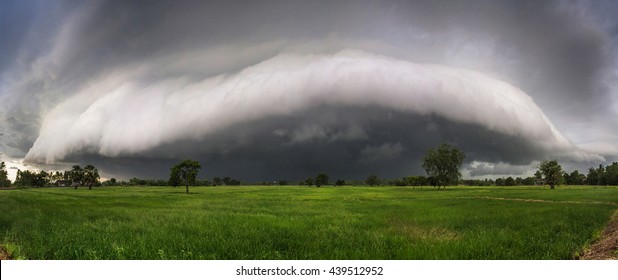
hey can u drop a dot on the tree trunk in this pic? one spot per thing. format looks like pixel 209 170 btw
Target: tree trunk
pixel 75 186
pixel 90 187
pixel 187 188
pixel 551 186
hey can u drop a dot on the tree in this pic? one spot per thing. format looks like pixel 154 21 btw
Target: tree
pixel 186 171
pixel 41 179
pixel 443 164
pixel 509 181
pixel 372 180
pixel 4 178
pixel 91 176
pixel 28 178
pixel 76 176
pixel 309 181
pixel 574 178
pixel 216 181
pixel 593 176
pixel 321 179
pixel 339 183
pixel 551 171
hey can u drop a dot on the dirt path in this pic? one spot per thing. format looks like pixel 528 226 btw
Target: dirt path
pixel 605 248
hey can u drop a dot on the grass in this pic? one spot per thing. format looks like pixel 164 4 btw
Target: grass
pixel 251 222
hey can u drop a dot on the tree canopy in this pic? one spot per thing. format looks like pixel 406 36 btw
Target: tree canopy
pixel 90 176
pixel 4 179
pixel 372 180
pixel 551 171
pixel 185 173
pixel 321 179
pixel 443 165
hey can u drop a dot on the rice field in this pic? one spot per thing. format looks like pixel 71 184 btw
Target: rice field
pixel 299 222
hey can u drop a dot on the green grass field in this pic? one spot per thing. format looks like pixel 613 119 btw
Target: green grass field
pixel 250 222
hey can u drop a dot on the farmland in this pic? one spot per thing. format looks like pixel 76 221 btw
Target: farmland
pixel 288 222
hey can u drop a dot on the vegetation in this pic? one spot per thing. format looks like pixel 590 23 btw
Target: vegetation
pixel 321 179
pixel 185 172
pixel 91 176
pixel 443 165
pixel 4 179
pixel 372 180
pixel 551 171
pixel 303 223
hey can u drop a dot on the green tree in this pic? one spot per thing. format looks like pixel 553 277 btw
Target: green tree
pixel 76 176
pixel 443 164
pixel 339 183
pixel 509 181
pixel 372 180
pixel 309 181
pixel 593 176
pixel 551 171
pixel 28 178
pixel 91 176
pixel 186 171
pixel 41 179
pixel 321 179
pixel 4 178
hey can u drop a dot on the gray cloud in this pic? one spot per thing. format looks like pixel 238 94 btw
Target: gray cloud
pixel 477 168
pixel 509 82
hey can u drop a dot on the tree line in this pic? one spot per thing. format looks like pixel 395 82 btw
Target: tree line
pixel 77 176
pixel 442 165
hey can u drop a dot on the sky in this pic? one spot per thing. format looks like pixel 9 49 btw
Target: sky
pixel 269 90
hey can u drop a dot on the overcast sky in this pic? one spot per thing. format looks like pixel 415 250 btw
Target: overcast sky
pixel 265 90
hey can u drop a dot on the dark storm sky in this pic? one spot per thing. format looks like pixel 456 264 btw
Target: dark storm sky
pixel 262 90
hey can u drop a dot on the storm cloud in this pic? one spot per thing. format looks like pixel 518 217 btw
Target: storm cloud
pixel 284 89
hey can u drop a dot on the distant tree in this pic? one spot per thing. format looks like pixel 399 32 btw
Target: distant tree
pixel 4 178
pixel 41 179
pixel 217 181
pixel 601 175
pixel 509 181
pixel 415 181
pixel 321 179
pixel 112 181
pixel 528 181
pixel 519 181
pixel 309 181
pixel 56 178
pixel 227 181
pixel 593 177
pixel 610 176
pixel 339 183
pixel 76 176
pixel 28 178
pixel 551 171
pixel 443 164
pixel 282 183
pixel 91 176
pixel 500 182
pixel 186 172
pixel 574 178
pixel 372 180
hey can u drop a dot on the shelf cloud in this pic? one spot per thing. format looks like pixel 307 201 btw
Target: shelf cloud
pixel 285 89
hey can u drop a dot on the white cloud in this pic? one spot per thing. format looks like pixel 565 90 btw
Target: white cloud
pixel 127 113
